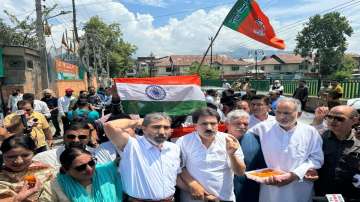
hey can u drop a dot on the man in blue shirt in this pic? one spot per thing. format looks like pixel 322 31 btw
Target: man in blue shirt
pixel 83 112
pixel 237 123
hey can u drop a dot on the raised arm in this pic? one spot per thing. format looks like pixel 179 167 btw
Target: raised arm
pixel 118 131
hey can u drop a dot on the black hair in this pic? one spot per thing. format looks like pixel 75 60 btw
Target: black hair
pixel 29 96
pixel 68 155
pixel 227 93
pixel 18 140
pixel 115 106
pixel 22 103
pixel 211 92
pixel 82 102
pixel 263 98
pixel 205 112
pixel 78 125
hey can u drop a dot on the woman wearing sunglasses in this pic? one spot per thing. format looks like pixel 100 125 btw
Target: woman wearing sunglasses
pixel 82 180
pixel 21 178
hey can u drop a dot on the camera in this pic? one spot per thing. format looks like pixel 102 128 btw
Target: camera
pixel 28 124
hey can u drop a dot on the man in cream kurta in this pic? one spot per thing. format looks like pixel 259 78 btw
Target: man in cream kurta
pixel 292 147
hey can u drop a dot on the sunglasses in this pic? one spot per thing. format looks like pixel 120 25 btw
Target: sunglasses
pixel 72 137
pixel 83 167
pixel 335 118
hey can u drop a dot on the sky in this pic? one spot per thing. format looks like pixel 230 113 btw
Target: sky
pixel 165 27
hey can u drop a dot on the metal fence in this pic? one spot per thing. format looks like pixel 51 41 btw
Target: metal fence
pixel 351 87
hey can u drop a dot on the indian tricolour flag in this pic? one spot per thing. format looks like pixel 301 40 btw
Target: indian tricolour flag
pixel 175 95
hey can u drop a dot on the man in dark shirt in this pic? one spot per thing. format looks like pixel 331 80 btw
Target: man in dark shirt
pixel 237 123
pixel 341 155
pixel 52 103
pixel 301 93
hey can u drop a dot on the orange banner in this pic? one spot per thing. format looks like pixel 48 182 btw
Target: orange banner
pixel 64 67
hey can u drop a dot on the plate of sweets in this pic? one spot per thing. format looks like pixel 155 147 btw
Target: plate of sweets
pixel 261 174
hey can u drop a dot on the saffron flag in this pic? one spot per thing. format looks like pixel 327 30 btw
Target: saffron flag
pixel 174 95
pixel 246 17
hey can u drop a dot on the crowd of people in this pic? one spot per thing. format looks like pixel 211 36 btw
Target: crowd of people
pixel 108 155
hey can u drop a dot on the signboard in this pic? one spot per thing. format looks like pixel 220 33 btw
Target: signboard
pixel 1 63
pixel 66 71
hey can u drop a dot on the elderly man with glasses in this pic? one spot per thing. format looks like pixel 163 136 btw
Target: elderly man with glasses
pixel 290 146
pixel 237 123
pixel 78 133
pixel 341 154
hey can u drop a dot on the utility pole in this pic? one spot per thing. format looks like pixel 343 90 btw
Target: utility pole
pixel 100 63
pixel 74 22
pixel 257 52
pixel 41 45
pixel 211 51
pixel 107 68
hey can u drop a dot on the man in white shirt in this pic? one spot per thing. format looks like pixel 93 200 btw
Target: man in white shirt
pixel 149 164
pixel 13 99
pixel 63 106
pixel 259 107
pixel 39 106
pixel 210 158
pixel 78 133
pixel 292 147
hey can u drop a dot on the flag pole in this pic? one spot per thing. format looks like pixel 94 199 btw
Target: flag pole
pixel 211 43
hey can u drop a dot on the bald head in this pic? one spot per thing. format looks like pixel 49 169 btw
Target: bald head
pixel 348 111
pixel 341 119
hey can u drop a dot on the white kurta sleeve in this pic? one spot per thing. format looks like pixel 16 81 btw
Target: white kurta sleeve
pixel 315 157
pixel 60 107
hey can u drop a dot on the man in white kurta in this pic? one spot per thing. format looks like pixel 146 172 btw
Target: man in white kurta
pixel 211 158
pixel 292 147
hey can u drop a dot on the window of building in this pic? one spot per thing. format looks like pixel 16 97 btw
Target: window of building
pixel 303 66
pixel 168 69
pixel 30 64
pixel 16 62
pixel 235 68
pixel 277 67
pixel 262 68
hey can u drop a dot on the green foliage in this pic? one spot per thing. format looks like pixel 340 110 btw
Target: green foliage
pixel 23 32
pixel 346 68
pixel 325 36
pixel 341 75
pixel 348 63
pixel 109 37
pixel 205 71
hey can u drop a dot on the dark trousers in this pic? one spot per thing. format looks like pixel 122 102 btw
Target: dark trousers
pixel 66 123
pixel 55 121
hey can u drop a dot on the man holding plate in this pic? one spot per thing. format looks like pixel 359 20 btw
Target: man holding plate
pixel 293 148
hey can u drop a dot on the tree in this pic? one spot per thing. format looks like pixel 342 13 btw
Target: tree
pixel 109 39
pixel 23 32
pixel 205 71
pixel 348 64
pixel 326 37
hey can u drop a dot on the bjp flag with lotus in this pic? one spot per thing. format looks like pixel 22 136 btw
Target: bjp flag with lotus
pixel 247 18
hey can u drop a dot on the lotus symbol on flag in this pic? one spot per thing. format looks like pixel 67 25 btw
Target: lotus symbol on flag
pixel 260 30
pixel 155 92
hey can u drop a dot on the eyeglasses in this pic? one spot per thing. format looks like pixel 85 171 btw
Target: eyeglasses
pixel 335 118
pixel 83 167
pixel 73 136
pixel 14 157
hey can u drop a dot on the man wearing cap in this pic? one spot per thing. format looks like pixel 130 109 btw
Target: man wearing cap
pixel 277 86
pixel 63 106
